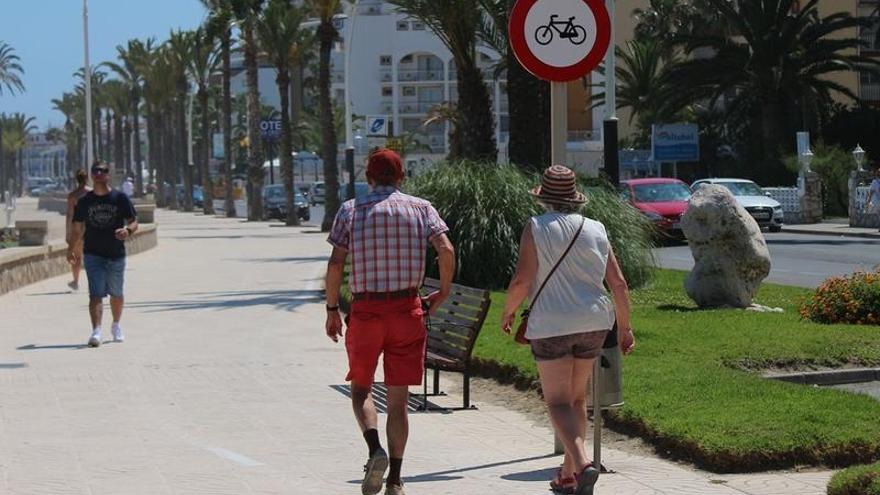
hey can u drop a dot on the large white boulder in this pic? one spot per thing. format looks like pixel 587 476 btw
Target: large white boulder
pixel 730 253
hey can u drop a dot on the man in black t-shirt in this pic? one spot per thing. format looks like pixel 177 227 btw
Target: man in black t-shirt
pixel 104 218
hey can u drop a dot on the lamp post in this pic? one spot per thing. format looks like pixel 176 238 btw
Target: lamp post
pixel 806 160
pixel 90 157
pixel 859 155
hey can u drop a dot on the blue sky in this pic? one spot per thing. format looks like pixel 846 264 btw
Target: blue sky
pixel 47 35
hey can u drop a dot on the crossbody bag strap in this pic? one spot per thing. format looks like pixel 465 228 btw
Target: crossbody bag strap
pixel 561 259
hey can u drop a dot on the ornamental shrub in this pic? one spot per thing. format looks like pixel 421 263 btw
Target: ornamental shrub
pixel 857 480
pixel 486 207
pixel 852 300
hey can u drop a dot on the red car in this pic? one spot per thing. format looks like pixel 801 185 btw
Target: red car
pixel 662 200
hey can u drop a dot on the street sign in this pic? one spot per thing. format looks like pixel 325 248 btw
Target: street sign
pixel 560 40
pixel 377 126
pixel 270 129
pixel 676 143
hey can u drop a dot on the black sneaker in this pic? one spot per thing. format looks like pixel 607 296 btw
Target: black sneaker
pixel 374 472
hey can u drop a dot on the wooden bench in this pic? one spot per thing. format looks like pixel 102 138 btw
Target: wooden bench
pixel 452 333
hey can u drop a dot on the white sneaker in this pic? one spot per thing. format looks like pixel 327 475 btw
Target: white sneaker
pixel 74 286
pixel 117 334
pixel 95 339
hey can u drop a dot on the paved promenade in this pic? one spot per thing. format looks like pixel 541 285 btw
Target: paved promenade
pixel 26 209
pixel 225 386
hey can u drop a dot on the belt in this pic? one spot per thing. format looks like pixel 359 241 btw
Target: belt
pixel 398 294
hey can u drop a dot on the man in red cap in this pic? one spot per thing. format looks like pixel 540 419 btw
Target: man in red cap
pixel 387 234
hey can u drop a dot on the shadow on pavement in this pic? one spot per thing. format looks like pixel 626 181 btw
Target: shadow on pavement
pixel 34 347
pixel 60 293
pixel 288 300
pixel 545 474
pixel 198 237
pixel 822 242
pixel 13 366
pixel 445 475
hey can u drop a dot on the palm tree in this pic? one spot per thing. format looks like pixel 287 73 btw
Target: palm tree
pixel 529 97
pixel 643 85
pixel 180 51
pixel 158 93
pixel 10 78
pixel 98 78
pixel 776 60
pixel 204 61
pixel 116 97
pixel 281 38
pixel 71 106
pixel 220 25
pixel 247 12
pixel 10 70
pixel 456 23
pixel 325 10
pixel 133 58
pixel 17 128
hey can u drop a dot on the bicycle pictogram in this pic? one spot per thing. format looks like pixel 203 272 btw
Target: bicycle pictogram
pixel 567 30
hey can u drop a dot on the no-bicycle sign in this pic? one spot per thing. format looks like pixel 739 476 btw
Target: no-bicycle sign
pixel 559 40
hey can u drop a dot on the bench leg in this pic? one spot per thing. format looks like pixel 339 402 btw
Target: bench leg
pixel 436 381
pixel 467 389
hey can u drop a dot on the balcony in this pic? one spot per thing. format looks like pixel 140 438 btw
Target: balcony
pixel 419 75
pixel 417 107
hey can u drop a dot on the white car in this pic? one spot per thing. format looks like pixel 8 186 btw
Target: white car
pixel 764 209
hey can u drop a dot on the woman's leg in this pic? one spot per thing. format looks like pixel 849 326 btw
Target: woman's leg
pixel 556 383
pixel 581 372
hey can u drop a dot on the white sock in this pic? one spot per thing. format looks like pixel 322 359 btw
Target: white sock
pixel 96 330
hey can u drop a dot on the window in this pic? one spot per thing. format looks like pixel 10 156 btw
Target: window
pixel 409 91
pixel 407 59
pixel 402 26
pixel 387 91
pixel 418 26
pixel 385 60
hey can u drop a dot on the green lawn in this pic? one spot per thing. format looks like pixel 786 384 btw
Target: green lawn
pixel 688 391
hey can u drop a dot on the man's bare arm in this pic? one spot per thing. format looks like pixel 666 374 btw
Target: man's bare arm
pixel 446 258
pixel 335 272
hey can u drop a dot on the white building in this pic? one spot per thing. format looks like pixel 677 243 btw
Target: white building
pixel 44 158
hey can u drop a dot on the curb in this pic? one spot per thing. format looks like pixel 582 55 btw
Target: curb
pixel 863 235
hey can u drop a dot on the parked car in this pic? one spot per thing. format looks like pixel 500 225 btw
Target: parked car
pixel 275 203
pixel 764 209
pixel 360 189
pixel 317 193
pixel 36 184
pixel 662 200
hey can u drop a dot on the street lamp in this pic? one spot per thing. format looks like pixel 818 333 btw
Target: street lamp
pixel 859 155
pixel 90 150
pixel 807 159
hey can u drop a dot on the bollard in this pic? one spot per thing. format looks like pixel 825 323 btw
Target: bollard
pixel 32 232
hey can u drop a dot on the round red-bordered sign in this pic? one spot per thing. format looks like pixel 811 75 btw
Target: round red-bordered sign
pixel 551 38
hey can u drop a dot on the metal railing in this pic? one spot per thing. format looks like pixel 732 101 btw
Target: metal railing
pixel 415 75
pixel 870 92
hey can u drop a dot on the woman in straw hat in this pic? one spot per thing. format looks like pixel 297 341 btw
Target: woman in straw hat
pixel 565 261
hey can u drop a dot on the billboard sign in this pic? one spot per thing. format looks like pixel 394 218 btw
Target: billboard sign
pixel 675 143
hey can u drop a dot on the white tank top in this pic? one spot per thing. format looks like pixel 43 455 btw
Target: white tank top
pixel 575 299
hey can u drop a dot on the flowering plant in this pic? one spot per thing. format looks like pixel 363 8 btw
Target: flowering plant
pixel 854 300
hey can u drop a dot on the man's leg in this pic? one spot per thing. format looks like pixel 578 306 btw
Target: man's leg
pixel 364 408
pixel 115 286
pixel 116 306
pixel 398 430
pixel 96 311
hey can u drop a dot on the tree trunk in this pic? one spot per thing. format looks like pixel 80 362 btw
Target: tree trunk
pixel 773 171
pixel 169 167
pixel 182 146
pixel 329 149
pixel 286 154
pixel 205 166
pixel 228 157
pixel 529 114
pixel 296 107
pixel 118 143
pixel 108 140
pixel 126 145
pixel 136 142
pixel 255 151
pixel 476 123
pixel 154 158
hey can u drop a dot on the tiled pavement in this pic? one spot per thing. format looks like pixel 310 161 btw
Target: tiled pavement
pixel 224 387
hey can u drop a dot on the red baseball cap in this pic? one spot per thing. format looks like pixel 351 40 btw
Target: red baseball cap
pixel 384 165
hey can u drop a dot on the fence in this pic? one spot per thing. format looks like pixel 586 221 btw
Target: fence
pixel 790 200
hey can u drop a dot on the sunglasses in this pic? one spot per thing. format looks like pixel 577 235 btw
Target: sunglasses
pixel 100 171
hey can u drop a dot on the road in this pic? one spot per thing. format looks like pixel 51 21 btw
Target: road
pixel 798 259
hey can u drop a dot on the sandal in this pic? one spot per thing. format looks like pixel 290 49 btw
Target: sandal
pixel 565 485
pixel 586 480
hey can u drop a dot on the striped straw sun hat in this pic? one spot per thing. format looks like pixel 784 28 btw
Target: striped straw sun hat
pixel 559 187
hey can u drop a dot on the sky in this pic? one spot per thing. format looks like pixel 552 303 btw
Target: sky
pixel 48 37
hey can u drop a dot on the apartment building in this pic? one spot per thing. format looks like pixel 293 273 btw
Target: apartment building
pixel 42 157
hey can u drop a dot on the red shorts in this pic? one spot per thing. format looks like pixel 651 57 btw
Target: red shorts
pixel 394 328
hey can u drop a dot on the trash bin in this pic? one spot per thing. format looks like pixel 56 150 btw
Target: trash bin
pixel 611 378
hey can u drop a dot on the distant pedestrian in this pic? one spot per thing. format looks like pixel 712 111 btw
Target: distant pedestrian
pixel 103 219
pixel 387 234
pixel 872 205
pixel 76 245
pixel 564 261
pixel 128 187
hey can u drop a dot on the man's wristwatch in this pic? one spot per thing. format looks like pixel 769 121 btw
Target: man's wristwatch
pixel 129 230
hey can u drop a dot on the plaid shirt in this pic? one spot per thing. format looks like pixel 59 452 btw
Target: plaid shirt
pixel 387 235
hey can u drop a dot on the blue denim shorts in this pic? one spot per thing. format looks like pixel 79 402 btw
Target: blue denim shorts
pixel 106 275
